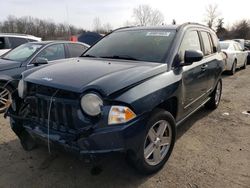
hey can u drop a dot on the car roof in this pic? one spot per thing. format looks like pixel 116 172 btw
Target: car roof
pixel 20 36
pixel 174 27
pixel 58 42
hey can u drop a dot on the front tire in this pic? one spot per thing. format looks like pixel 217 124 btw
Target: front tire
pixel 157 143
pixel 214 102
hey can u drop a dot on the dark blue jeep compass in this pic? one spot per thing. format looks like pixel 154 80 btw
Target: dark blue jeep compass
pixel 127 94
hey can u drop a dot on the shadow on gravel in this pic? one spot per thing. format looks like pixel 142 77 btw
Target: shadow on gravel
pixel 38 168
pixel 185 126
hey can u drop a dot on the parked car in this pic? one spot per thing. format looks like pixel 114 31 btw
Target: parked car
pixel 28 56
pixel 127 93
pixel 9 41
pixel 237 57
pixel 241 42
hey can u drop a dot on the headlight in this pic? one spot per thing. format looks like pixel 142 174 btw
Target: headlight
pixel 120 114
pixel 91 104
pixel 22 88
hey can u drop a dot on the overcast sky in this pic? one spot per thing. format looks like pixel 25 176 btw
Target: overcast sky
pixel 82 12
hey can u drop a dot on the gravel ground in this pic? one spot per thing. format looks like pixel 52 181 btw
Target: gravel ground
pixel 213 150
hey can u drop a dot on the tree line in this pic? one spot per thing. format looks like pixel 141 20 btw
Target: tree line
pixel 45 29
pixel 239 30
pixel 143 15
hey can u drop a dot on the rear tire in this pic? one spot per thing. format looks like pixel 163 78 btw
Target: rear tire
pixel 157 143
pixel 245 64
pixel 233 70
pixel 214 102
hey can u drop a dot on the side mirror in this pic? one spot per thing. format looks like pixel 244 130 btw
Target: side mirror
pixel 40 61
pixel 192 56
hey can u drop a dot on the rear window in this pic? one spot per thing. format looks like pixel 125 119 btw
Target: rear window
pixel 15 41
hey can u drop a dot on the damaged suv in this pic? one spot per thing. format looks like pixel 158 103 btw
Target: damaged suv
pixel 127 93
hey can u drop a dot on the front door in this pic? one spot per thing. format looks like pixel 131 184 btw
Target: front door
pixel 194 76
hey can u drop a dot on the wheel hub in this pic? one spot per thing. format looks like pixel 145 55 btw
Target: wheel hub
pixel 157 142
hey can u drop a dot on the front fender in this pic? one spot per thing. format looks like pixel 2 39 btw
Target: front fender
pixel 148 95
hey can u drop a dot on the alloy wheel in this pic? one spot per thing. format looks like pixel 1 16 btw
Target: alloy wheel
pixel 5 99
pixel 157 142
pixel 218 93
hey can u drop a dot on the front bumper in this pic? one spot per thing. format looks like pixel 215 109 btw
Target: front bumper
pixel 93 141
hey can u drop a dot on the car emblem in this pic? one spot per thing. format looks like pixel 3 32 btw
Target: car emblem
pixel 47 79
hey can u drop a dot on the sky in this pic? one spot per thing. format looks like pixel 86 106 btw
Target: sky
pixel 81 13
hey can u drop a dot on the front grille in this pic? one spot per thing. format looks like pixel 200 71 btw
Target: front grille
pixel 63 113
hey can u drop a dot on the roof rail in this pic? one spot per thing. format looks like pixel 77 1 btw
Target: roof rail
pixel 126 27
pixel 194 23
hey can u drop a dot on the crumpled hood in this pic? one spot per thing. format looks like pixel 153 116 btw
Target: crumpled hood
pixel 106 76
pixel 7 64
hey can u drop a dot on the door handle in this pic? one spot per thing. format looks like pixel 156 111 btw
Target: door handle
pixel 204 67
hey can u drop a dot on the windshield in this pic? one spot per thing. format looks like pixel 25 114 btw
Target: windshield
pixel 224 45
pixel 23 52
pixel 138 45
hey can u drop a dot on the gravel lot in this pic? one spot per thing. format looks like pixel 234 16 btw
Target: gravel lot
pixel 213 150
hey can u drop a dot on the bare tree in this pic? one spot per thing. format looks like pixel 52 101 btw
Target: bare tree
pixel 107 27
pixel 147 16
pixel 211 15
pixel 45 29
pixel 97 24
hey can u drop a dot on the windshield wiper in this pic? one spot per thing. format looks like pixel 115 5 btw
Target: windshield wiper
pixel 6 58
pixel 125 57
pixel 89 56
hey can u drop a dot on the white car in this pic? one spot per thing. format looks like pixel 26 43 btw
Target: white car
pixel 9 41
pixel 236 56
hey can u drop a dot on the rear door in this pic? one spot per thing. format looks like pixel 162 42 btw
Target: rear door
pixel 210 50
pixel 194 76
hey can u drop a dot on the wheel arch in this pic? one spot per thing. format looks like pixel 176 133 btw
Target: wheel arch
pixel 170 105
pixel 11 82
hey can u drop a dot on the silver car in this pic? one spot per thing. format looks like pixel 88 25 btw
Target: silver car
pixel 236 56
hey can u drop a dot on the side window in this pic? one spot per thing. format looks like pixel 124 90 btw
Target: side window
pixel 53 52
pixel 207 44
pixel 76 50
pixel 2 43
pixel 190 41
pixel 15 41
pixel 215 42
